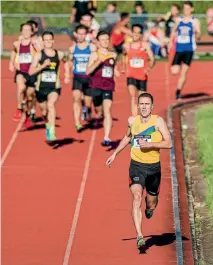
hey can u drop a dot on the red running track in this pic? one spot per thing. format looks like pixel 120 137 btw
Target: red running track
pixel 42 186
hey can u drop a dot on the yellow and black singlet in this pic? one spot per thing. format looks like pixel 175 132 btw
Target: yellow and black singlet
pixel 148 132
pixel 48 78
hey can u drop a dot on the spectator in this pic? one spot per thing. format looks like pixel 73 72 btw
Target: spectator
pixel 209 19
pixel 140 15
pixel 79 8
pixel 110 17
pixel 41 25
pixel 158 42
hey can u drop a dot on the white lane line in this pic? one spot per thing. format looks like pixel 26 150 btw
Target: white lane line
pixel 12 141
pixel 79 200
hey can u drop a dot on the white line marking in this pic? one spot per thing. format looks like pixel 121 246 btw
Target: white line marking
pixel 79 200
pixel 12 141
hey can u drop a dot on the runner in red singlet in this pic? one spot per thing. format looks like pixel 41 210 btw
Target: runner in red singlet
pixel 20 60
pixel 137 61
pixel 120 31
pixel 101 68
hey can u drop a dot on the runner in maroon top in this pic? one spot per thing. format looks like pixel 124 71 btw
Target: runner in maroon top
pixel 20 61
pixel 101 68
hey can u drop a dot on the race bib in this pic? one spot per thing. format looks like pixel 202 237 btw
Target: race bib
pixel 107 72
pixel 48 76
pixel 136 62
pixel 183 39
pixel 136 139
pixel 81 67
pixel 25 58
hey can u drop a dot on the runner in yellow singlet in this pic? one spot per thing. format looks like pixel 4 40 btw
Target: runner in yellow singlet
pixel 148 134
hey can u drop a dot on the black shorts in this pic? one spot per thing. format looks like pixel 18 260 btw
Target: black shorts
pixel 183 57
pixel 147 175
pixel 98 96
pixel 82 84
pixel 141 85
pixel 42 96
pixel 30 80
pixel 119 48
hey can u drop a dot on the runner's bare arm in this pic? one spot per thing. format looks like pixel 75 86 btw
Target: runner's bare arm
pixel 166 143
pixel 39 44
pixel 123 143
pixel 117 73
pixel 150 55
pixel 63 56
pixel 123 57
pixel 13 57
pixel 127 137
pixel 173 33
pixel 93 47
pixel 126 31
pixel 35 67
pixel 94 62
pixel 197 29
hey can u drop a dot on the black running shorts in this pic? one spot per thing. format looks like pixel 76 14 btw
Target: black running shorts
pixel 141 85
pixel 98 96
pixel 30 80
pixel 82 84
pixel 42 96
pixel 183 57
pixel 146 175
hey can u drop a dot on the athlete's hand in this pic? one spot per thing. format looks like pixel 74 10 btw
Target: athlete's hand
pixel 147 71
pixel 11 67
pixel 110 160
pixel 46 63
pixel 144 144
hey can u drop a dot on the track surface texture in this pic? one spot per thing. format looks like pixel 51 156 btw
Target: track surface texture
pixel 62 206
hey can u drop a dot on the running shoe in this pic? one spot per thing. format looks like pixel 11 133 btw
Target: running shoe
pixel 178 94
pixel 52 136
pixel 78 127
pixel 106 142
pixel 28 123
pixel 47 131
pixel 148 212
pixel 84 114
pixel 17 115
pixel 140 242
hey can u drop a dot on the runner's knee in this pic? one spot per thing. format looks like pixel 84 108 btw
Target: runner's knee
pixel 175 70
pixel 137 197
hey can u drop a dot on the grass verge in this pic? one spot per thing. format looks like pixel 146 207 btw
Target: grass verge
pixel 204 132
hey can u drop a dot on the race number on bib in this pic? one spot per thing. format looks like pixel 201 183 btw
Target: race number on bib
pixel 107 72
pixel 136 139
pixel 183 39
pixel 136 62
pixel 81 67
pixel 25 58
pixel 48 76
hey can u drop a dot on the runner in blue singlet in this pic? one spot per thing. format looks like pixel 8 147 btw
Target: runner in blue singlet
pixel 186 30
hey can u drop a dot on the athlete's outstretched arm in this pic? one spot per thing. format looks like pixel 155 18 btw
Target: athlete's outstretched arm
pixel 63 56
pixel 94 62
pixel 166 143
pixel 35 67
pixel 151 57
pixel 13 57
pixel 123 143
pixel 123 57
pixel 197 29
